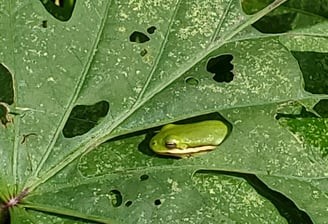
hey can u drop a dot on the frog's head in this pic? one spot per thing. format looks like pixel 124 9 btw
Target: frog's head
pixel 161 145
pixel 172 145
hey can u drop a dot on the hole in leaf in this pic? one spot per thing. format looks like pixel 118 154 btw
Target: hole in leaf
pixel 6 85
pixel 275 23
pixel 60 9
pixel 151 29
pixel 322 108
pixel 116 198
pixel 144 177
pixel 295 112
pixel 221 67
pixel 143 52
pixel 128 203
pixel 139 37
pixel 314 67
pixel 4 114
pixel 192 81
pixel 84 117
pixel 290 16
pixel 45 23
pixel 157 202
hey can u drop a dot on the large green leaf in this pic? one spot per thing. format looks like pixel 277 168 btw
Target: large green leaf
pixel 88 94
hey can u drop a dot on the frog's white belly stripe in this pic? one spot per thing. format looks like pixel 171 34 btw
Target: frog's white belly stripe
pixel 190 150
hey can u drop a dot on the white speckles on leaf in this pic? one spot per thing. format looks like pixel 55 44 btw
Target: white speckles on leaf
pixel 252 199
pixel 175 187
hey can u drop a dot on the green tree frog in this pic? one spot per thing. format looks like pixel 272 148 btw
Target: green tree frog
pixel 184 140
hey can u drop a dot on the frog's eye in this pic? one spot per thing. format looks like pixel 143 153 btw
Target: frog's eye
pixel 171 144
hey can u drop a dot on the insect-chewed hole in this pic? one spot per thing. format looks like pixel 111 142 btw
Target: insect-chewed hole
pixel 116 198
pixel 143 52
pixel 314 67
pixel 128 203
pixel 293 110
pixel 322 108
pixel 272 23
pixel 6 94
pixel 4 115
pixel 6 85
pixel 221 67
pixel 275 23
pixel 84 117
pixel 144 177
pixel 60 9
pixel 191 81
pixel 151 29
pixel 44 23
pixel 138 37
pixel 157 202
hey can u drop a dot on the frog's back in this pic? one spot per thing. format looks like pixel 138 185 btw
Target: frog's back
pixel 210 132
